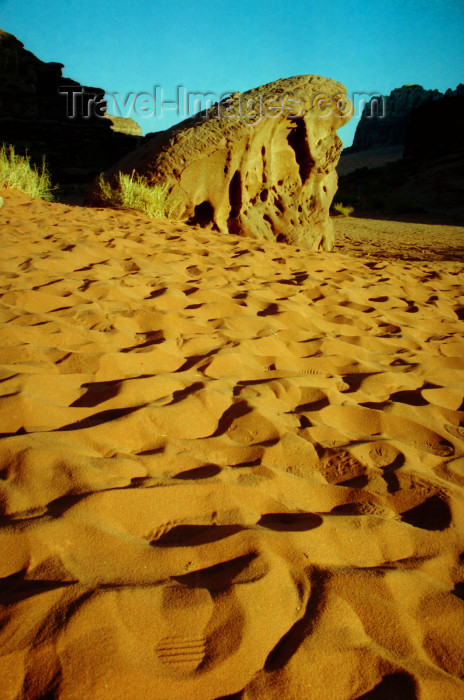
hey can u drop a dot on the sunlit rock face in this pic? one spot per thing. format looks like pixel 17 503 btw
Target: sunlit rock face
pixel 260 163
pixel 124 125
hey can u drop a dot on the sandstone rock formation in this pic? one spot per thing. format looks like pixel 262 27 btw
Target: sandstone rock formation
pixel 258 164
pixel 33 117
pixel 124 125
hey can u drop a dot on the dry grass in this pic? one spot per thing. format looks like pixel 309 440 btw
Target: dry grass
pixel 132 192
pixel 16 171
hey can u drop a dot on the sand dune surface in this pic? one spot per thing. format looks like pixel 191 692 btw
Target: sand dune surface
pixel 228 468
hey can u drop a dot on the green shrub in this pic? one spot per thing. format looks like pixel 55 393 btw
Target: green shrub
pixel 133 192
pixel 342 209
pixel 16 171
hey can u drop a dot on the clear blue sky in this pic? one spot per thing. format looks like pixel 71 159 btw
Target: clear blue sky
pixel 371 46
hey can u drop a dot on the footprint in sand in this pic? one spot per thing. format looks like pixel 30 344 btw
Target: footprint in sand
pixel 195 601
pixel 341 467
pixel 204 632
pixel 172 620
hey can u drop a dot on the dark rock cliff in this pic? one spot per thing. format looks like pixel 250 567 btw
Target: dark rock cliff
pixel 437 129
pixel 386 121
pixel 34 117
pixel 427 181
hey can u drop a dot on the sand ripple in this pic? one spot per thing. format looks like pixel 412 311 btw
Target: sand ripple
pixel 227 469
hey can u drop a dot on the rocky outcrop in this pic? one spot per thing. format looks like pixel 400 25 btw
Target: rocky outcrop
pixel 34 117
pixel 124 125
pixel 29 87
pixel 386 121
pixel 258 164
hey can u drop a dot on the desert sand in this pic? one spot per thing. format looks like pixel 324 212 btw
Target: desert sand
pixel 229 468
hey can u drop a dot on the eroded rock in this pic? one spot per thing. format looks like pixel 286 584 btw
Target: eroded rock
pixel 258 164
pixel 124 125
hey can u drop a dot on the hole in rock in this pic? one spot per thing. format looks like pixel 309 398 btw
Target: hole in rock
pixel 269 221
pixel 235 201
pixel 279 206
pixel 203 216
pixel 264 195
pixel 297 139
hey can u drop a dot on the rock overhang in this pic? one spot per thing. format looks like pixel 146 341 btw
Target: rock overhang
pixel 259 163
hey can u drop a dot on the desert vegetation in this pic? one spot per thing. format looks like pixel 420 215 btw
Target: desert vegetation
pixel 133 192
pixel 343 209
pixel 18 172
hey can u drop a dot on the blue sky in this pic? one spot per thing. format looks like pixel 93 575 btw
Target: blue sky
pixel 221 46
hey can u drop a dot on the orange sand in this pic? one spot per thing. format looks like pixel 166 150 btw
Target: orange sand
pixel 228 468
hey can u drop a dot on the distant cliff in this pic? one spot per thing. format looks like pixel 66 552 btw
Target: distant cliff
pixel 386 122
pixel 437 128
pixel 34 117
pixel 412 162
